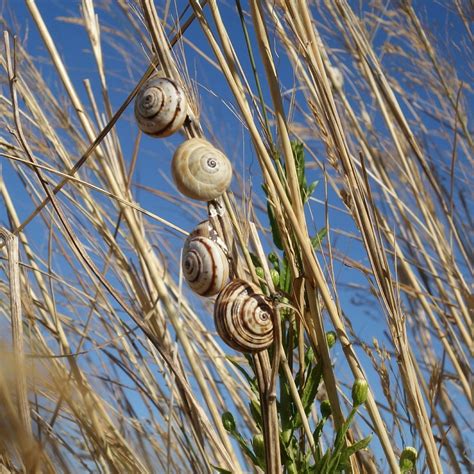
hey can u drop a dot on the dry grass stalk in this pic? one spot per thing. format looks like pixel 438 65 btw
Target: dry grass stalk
pixel 10 242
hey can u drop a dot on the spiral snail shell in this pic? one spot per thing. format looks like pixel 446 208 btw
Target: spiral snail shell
pixel 160 107
pixel 244 317
pixel 205 265
pixel 200 170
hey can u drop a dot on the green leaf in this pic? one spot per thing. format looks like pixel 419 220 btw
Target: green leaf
pixel 230 426
pixel 350 450
pixel 273 223
pixel 311 387
pixel 246 448
pixel 256 412
pixel 340 440
pixel 286 406
pixel 317 240
pixel 319 430
pixel 288 455
pixel 306 458
pixel 309 356
pixel 310 190
pixel 285 276
pixel 298 154
pixel 322 466
pixel 341 434
pixel 274 226
pixel 258 444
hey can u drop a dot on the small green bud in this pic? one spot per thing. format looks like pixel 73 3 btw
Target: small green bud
pixel 228 422
pixel 273 257
pixel 331 338
pixel 259 271
pixel 408 459
pixel 286 435
pixel 259 446
pixel 326 409
pixel 360 390
pixel 309 356
pixel 275 277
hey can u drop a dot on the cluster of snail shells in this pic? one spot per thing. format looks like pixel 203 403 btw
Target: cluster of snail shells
pixel 200 171
pixel 244 317
pixel 242 314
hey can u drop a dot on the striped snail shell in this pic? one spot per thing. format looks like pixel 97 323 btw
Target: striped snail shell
pixel 160 107
pixel 205 265
pixel 200 170
pixel 205 229
pixel 244 317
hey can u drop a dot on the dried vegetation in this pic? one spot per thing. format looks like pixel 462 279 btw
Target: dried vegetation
pixel 114 365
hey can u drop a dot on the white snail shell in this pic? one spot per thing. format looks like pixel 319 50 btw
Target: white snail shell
pixel 244 317
pixel 160 107
pixel 205 265
pixel 200 170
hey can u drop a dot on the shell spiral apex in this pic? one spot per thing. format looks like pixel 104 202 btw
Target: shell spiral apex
pixel 160 107
pixel 200 171
pixel 244 317
pixel 205 266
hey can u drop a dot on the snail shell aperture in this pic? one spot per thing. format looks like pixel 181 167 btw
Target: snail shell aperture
pixel 200 170
pixel 244 317
pixel 160 107
pixel 205 265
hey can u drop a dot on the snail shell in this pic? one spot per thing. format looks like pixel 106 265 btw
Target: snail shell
pixel 244 317
pixel 160 107
pixel 205 265
pixel 205 229
pixel 200 170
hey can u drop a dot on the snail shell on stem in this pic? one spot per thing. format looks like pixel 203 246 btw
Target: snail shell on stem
pixel 200 171
pixel 205 266
pixel 244 317
pixel 160 107
pixel 205 229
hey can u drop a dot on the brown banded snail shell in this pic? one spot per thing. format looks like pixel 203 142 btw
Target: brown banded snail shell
pixel 205 229
pixel 244 317
pixel 160 107
pixel 205 265
pixel 200 170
